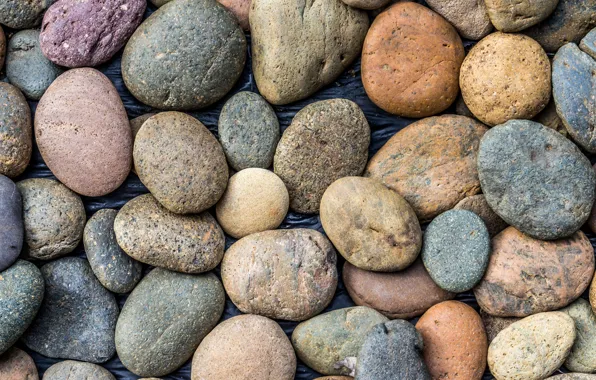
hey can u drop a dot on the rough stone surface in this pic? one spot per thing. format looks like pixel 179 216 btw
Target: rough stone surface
pixel 582 357
pixel 240 9
pixel 327 140
pixel 281 274
pixel 18 14
pixel 135 126
pixel 549 118
pixel 494 325
pixel 536 179
pixel 16 364
pixel 588 43
pixel 11 220
pixel 479 206
pixel 367 4
pixel 469 17
pixel 512 16
pixel 165 318
pixel 70 369
pixel 15 131
pixel 573 376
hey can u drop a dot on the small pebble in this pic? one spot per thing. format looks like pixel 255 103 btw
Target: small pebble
pixel 16 364
pixel 15 131
pixel 512 16
pixel 70 369
pixel 469 17
pixel 11 220
pixel 582 357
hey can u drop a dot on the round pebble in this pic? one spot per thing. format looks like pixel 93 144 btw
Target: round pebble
pixel 11 220
pixel 70 369
pixel 479 206
pixel 16 364
pixel 582 357
pixel 512 16
pixel 18 14
pixel 15 131
pixel 469 17
pixel 240 9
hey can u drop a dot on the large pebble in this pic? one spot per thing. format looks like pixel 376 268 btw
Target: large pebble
pixel 19 14
pixel 527 276
pixel 588 43
pixel 513 16
pixel 327 140
pixel 582 357
pixel 494 325
pixel 281 274
pixel 11 220
pixel 165 318
pixel 70 369
pixel 536 179
pixel 240 9
pixel 469 17
pixel 16 364
pixel 479 206
pixel 15 131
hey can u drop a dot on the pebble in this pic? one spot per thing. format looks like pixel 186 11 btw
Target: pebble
pixel 15 131
pixel 536 179
pixel 248 131
pixel 82 132
pixel 18 14
pixel 255 200
pixel 117 272
pixel 26 66
pixel 328 340
pixel 431 163
pixel 479 206
pixel 16 364
pixel 549 118
pixel 371 226
pixel 587 44
pixel 494 325
pixel 298 48
pixel 135 126
pixel 70 369
pixel 582 357
pixel 165 318
pixel 367 4
pixel 495 74
pixel 527 276
pixel 535 347
pixel 455 343
pixel 327 140
pixel 77 317
pixel 53 216
pixel 469 17
pixel 573 376
pixel 11 220
pixel 247 347
pixel 410 61
pixel 168 63
pixel 513 16
pixel 281 274
pixel 181 163
pixel 240 9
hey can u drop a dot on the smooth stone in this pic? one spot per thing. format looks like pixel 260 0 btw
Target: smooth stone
pixel 587 44
pixel 535 347
pixel 573 376
pixel 26 66
pixel 21 293
pixel 70 369
pixel 300 47
pixel 281 274
pixel 181 163
pixel 53 216
pixel 11 220
pixel 479 206
pixel 549 118
pixel 527 276
pixel 592 218
pixel 248 131
pixel 335 378
pixel 327 140
pixel 114 269
pixel 135 126
pixel 151 234
pixel 535 179
pixel 494 325
pixel 15 131
pixel 462 109
pixel 469 17
pixel 574 91
pixel 2 47
pixel 455 343
pixel 169 63
pixel 410 61
pixel 392 351
pixel 371 226
pixel 326 341
pixel 240 9
pixel 245 347
pixel 16 364
pixel 77 317
pixel 84 34
pixel 367 4
pixel 18 14
pixel 431 163
pixel 82 132
pixel 165 318
pixel 255 200
pixel 512 15
pixel 582 357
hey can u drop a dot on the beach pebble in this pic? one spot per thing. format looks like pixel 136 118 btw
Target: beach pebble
pixel 494 325
pixel 15 131
pixel 512 16
pixel 582 357
pixel 135 126
pixel 70 369
pixel 587 44
pixel 479 206
pixel 11 220
pixel 16 364
pixel 469 17
pixel 19 14
pixel 240 9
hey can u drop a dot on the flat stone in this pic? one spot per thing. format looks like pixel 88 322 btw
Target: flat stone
pixel 479 206
pixel 469 17
pixel 512 16
pixel 16 364
pixel 11 220
pixel 70 369
pixel 582 357
pixel 240 9
pixel 15 131
pixel 494 325
pixel 588 43
pixel 17 14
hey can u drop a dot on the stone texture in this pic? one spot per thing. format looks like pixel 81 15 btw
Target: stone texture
pixel 549 118
pixel 479 206
pixel 2 47
pixel 512 16
pixel 494 325
pixel 573 376
pixel 18 14
pixel 16 364
pixel 591 222
pixel 11 220
pixel 469 17
pixel 15 131
pixel 582 357
pixel 70 369
pixel 240 9
pixel 588 43
pixel 135 126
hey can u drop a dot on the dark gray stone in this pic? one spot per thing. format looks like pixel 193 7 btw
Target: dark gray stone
pixel 20 14
pixel 588 43
pixel 535 179
pixel 248 131
pixel 78 316
pixel 11 220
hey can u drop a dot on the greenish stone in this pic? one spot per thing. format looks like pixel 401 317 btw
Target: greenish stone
pixel 582 357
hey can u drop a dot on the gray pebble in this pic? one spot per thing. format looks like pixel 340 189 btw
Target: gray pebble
pixel 70 369
pixel 19 14
pixel 582 357
pixel 11 220
pixel 588 44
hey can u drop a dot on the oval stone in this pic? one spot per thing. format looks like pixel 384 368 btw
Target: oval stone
pixel 15 131
pixel 70 369
pixel 536 179
pixel 82 132
pixel 582 357
pixel 479 206
pixel 16 364
pixel 281 274
pixel 527 276
pixel 240 9
pixel 165 318
pixel 512 16
pixel 18 14
pixel 11 220
pixel 469 17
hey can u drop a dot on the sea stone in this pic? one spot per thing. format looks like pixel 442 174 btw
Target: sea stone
pixel 582 358
pixel 405 294
pixel 16 364
pixel 180 162
pixel 240 9
pixel 249 131
pixel 494 325
pixel 281 274
pixel 455 343
pixel 18 14
pixel 165 318
pixel 367 4
pixel 536 179
pixel 88 33
pixel 300 47
pixel 431 163
pixel 26 66
pixel 70 369
pixel 169 63
pixel 77 317
pixel 324 342
pixel 245 346
pixel 373 227
pixel 588 43
pixel 116 271
pixel 513 16
pixel 535 346
pixel 82 132
pixel 495 75
pixel 327 140
pixel 53 216
pixel 21 292
pixel 479 206
pixel 392 351
pixel 527 276
pixel 151 234
pixel 15 131
pixel 11 220
pixel 469 17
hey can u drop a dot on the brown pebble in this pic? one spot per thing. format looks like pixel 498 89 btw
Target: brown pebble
pixel 16 364
pixel 478 205
pixel 15 131
pixel 494 325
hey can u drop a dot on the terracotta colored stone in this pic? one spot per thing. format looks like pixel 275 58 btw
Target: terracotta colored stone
pixel 15 131
pixel 479 206
pixel 240 9
pixel 469 17
pixel 16 364
pixel 494 325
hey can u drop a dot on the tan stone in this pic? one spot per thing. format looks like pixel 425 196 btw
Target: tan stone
pixel 469 17
pixel 514 15
pixel 71 369
pixel 367 4
pixel 135 126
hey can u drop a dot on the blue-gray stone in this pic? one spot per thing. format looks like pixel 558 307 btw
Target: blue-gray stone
pixel 11 222
pixel 588 43
pixel 582 357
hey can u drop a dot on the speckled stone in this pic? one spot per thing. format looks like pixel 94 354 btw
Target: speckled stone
pixel 77 317
pixel 588 43
pixel 573 376
pixel 469 17
pixel 479 206
pixel 582 357
pixel 15 131
pixel 494 325
pixel 248 131
pixel 18 14
pixel 165 318
pixel 11 220
pixel 170 64
pixel 70 369
pixel 135 126
pixel 512 16
pixel 536 179
pixel 16 364
pixel 240 9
